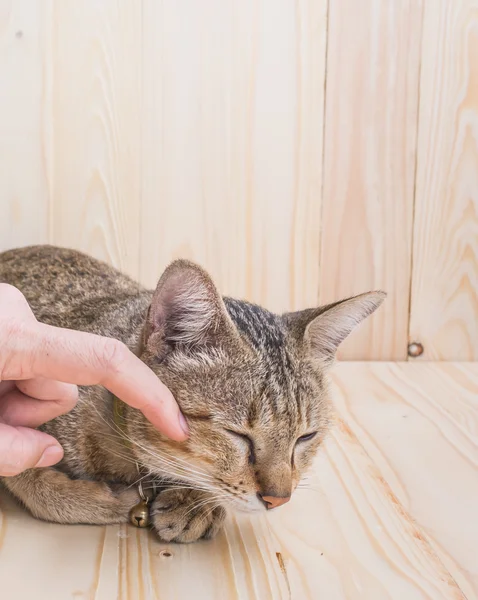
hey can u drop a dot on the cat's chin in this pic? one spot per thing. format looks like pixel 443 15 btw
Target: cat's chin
pixel 249 506
pixel 248 511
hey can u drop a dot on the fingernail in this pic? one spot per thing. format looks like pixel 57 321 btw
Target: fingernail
pixel 183 424
pixel 50 456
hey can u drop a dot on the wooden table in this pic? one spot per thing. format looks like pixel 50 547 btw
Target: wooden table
pixel 391 513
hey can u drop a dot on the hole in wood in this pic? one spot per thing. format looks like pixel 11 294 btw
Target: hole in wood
pixel 415 349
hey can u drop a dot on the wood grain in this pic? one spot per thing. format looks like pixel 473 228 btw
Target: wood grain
pixel 140 131
pixel 419 424
pixel 232 144
pixel 389 513
pixel 370 136
pixel 25 122
pixel 97 109
pixel 444 306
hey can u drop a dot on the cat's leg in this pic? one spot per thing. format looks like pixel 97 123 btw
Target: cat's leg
pixel 184 515
pixel 52 496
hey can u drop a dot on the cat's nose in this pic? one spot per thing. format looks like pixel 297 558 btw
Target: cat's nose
pixel 273 501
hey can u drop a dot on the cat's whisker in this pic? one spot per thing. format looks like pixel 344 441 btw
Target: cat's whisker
pixel 212 508
pixel 188 486
pixel 198 469
pixel 121 434
pixel 205 502
pixel 307 487
pixel 140 479
pixel 202 517
pixel 124 458
pixel 189 479
pixel 169 460
pixel 183 471
pixel 197 478
pixel 206 514
pixel 304 485
pixel 182 476
pixel 173 460
pixel 177 463
pixel 172 487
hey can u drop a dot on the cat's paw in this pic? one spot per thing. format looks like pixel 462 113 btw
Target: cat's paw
pixel 186 516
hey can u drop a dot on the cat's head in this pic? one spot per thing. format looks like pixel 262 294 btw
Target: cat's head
pixel 252 385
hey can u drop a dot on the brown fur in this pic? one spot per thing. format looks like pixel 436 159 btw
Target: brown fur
pixel 250 383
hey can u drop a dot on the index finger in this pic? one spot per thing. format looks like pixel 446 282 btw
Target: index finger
pixel 88 359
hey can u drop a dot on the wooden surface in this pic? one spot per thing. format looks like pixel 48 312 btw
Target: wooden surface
pixel 369 164
pixel 25 119
pixel 301 150
pixel 232 143
pixel 444 306
pixel 390 513
pixel 96 151
pixel 140 131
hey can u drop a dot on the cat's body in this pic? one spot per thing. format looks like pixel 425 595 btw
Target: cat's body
pixel 251 384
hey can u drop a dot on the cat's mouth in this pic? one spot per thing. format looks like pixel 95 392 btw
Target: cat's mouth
pixel 256 502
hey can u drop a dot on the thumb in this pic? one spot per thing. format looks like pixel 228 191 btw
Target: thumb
pixel 22 448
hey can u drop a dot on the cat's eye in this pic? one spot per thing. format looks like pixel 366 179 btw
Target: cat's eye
pixel 307 437
pixel 247 439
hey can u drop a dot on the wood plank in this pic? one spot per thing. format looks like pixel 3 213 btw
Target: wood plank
pixel 370 137
pixel 387 513
pixel 97 108
pixel 444 303
pixel 418 423
pixel 232 144
pixel 25 121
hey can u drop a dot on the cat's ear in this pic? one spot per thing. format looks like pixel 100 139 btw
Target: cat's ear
pixel 187 311
pixel 323 329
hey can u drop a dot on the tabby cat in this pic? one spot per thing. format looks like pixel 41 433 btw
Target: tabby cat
pixel 251 384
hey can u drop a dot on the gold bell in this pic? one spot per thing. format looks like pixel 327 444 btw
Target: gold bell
pixel 139 514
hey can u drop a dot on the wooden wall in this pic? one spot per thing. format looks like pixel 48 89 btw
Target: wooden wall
pixel 301 150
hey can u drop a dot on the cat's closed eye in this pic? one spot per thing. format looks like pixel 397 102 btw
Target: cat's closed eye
pixel 247 439
pixel 306 437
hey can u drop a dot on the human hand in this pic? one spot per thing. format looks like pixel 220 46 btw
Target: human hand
pixel 40 367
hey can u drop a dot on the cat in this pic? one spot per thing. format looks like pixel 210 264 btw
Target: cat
pixel 251 384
